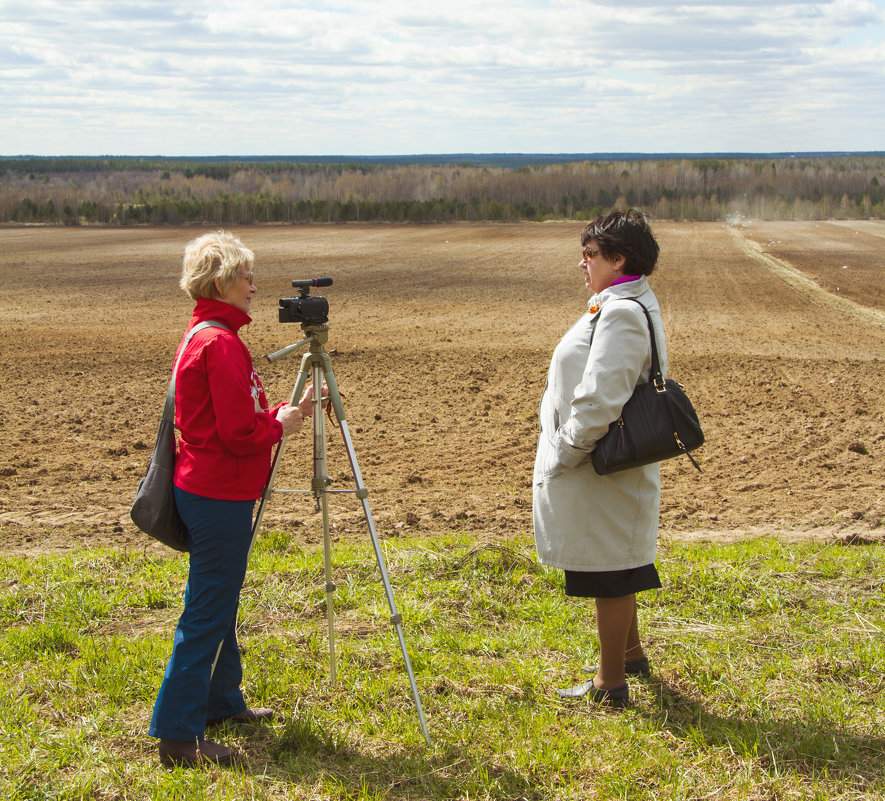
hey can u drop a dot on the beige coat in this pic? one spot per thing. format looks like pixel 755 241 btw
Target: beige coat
pixel 584 521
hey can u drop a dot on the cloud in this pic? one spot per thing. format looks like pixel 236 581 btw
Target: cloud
pixel 347 77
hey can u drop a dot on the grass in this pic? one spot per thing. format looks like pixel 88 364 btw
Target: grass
pixel 767 677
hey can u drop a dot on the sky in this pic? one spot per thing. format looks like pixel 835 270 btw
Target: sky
pixel 404 77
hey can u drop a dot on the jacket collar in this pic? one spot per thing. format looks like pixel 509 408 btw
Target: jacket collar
pixel 227 313
pixel 631 289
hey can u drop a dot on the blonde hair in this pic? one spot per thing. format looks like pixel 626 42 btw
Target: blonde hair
pixel 219 255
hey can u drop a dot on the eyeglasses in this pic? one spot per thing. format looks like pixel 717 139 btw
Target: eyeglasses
pixel 250 277
pixel 590 253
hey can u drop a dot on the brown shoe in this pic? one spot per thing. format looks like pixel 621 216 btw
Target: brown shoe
pixel 246 716
pixel 191 753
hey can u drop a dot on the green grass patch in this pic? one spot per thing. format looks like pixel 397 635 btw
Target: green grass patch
pixel 767 677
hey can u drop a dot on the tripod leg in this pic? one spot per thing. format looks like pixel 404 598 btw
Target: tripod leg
pixel 300 383
pixel 320 485
pixel 363 494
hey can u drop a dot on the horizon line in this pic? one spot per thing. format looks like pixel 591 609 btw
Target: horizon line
pixel 462 154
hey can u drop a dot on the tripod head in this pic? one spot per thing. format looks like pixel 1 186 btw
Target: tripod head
pixel 316 337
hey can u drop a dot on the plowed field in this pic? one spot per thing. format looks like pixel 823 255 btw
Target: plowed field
pixel 440 339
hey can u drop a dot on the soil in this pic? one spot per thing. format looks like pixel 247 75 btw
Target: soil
pixel 440 337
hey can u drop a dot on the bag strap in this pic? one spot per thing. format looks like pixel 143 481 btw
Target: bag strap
pixel 656 376
pixel 169 407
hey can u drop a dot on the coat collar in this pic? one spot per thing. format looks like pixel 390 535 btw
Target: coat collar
pixel 631 289
pixel 227 313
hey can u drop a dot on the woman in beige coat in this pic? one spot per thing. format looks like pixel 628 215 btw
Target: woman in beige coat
pixel 602 530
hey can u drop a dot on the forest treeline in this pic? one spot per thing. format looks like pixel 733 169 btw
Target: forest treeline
pixel 156 191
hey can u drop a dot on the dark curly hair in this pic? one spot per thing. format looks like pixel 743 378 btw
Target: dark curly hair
pixel 628 234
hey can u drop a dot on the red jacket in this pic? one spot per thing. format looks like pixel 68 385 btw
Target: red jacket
pixel 226 431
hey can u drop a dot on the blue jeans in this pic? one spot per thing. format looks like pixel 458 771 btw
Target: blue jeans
pixel 220 533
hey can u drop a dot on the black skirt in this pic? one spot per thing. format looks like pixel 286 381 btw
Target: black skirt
pixel 611 583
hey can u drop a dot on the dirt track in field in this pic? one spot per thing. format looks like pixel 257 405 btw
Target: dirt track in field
pixel 440 339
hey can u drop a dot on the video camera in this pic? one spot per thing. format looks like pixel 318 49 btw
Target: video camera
pixel 306 309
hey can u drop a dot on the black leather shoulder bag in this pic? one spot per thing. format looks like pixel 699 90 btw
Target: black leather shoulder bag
pixel 657 423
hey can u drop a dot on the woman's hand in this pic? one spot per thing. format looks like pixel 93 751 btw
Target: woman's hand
pixel 291 418
pixel 306 402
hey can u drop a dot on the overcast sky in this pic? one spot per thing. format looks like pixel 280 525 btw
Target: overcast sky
pixel 341 77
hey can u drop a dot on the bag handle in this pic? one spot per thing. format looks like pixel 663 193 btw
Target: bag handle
pixel 656 376
pixel 169 407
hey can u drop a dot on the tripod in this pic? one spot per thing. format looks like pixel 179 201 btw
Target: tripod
pixel 316 365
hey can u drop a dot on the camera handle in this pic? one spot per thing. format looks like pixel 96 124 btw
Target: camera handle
pixel 316 365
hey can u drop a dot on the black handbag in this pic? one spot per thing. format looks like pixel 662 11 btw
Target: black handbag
pixel 154 510
pixel 657 423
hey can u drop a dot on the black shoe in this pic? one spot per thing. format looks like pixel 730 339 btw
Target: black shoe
pixel 246 716
pixel 635 667
pixel 618 696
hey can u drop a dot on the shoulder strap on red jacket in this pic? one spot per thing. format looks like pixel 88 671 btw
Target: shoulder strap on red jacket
pixel 169 408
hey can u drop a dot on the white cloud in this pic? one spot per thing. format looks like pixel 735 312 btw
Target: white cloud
pixel 397 77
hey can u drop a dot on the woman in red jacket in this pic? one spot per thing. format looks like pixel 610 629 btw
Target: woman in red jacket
pixel 227 434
